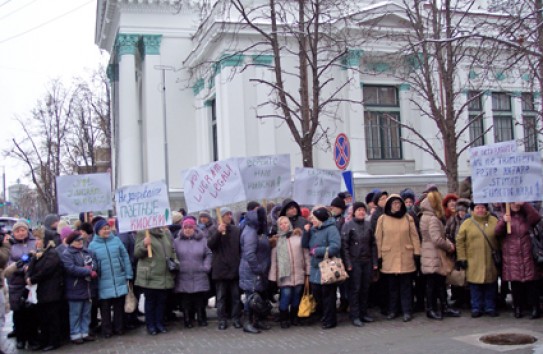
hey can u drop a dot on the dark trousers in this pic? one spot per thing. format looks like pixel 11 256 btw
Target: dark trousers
pixel 193 303
pixel 50 323
pixel 94 312
pixel 26 323
pixel 228 297
pixel 420 291
pixel 155 302
pixel 325 295
pixel 435 289
pixel 118 313
pixel 525 293
pixel 400 287
pixel 359 288
pixel 483 297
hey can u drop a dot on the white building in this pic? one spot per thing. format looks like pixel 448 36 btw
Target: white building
pixel 181 98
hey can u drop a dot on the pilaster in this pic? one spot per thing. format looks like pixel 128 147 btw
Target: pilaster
pixel 150 44
pixel 126 44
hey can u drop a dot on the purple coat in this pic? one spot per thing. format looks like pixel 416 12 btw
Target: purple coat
pixel 518 262
pixel 194 262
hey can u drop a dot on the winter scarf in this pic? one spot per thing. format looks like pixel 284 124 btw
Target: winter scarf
pixel 283 256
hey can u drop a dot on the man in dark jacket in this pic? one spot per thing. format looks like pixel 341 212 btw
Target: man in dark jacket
pixel 291 209
pixel 224 243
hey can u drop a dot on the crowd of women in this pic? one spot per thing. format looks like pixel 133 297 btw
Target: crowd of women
pixel 398 250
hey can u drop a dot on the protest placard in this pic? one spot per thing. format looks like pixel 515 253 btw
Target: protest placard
pixel 511 177
pixel 506 147
pixel 143 206
pixel 314 186
pixel 83 193
pixel 266 177
pixel 213 185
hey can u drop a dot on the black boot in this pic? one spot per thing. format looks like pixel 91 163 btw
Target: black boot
pixel 536 313
pixel 448 311
pixel 248 326
pixel 284 319
pixel 202 317
pixel 518 312
pixel 294 319
pixel 434 315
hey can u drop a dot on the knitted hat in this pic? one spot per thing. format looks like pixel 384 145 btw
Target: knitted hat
pixel 225 210
pixel 100 224
pixel 474 204
pixel 322 214
pixel 378 196
pixel 189 222
pixel 407 194
pixel 65 232
pixel 357 205
pixel 19 224
pixel 176 217
pixel 73 236
pixel 338 203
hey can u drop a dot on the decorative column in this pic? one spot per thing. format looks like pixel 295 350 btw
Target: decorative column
pixel 129 143
pixel 516 107
pixel 112 73
pixel 265 128
pixel 354 115
pixel 154 117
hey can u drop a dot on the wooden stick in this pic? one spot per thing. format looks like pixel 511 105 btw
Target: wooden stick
pixel 149 248
pixel 508 213
pixel 219 217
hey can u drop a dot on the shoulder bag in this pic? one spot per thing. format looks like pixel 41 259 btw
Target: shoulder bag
pixel 332 270
pixel 496 254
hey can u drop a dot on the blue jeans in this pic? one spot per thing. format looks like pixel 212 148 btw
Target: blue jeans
pixel 290 296
pixel 483 297
pixel 80 313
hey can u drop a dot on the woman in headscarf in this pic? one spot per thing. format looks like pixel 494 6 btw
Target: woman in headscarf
pixel 398 251
pixel 289 268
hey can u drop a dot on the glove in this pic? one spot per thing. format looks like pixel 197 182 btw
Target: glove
pixel 461 265
pixel 380 263
pixel 312 251
pixel 94 275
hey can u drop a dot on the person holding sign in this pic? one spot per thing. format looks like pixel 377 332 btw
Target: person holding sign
pixel 153 275
pixel 475 243
pixel 114 271
pixel 518 263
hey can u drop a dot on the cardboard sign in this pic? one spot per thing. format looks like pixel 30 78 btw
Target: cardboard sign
pixel 216 184
pixel 83 193
pixel 266 177
pixel 506 147
pixel 143 207
pixel 313 186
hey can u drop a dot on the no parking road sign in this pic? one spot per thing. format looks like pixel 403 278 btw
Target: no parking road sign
pixel 342 151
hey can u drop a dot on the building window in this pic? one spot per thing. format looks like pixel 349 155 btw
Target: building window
pixel 475 116
pixel 503 117
pixel 529 121
pixel 214 137
pixel 382 112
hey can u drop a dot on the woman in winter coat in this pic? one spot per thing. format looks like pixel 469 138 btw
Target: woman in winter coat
pixel 192 280
pixel 153 275
pixel 474 253
pixel 114 271
pixel 25 318
pixel 398 250
pixel 322 236
pixel 254 265
pixel 518 263
pixel 79 272
pixel 436 256
pixel 360 255
pixel 289 268
pixel 45 270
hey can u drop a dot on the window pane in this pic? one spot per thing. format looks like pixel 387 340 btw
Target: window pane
pixel 476 130
pixel 382 135
pixel 528 101
pixel 475 104
pixel 381 96
pixel 530 134
pixel 501 101
pixel 370 95
pixel 503 128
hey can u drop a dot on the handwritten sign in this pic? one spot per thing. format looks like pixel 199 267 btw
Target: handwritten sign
pixel 313 186
pixel 83 193
pixel 507 178
pixel 213 185
pixel 143 206
pixel 506 147
pixel 266 177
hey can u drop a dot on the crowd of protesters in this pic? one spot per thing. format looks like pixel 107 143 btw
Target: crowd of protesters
pixel 69 282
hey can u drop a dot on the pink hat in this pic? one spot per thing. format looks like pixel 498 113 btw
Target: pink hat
pixel 65 232
pixel 189 222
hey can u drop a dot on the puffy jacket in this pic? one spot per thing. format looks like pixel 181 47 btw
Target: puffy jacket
pixel 153 273
pixel 358 243
pixel 518 262
pixel 47 272
pixel 299 263
pixel 18 248
pixel 435 247
pixel 114 268
pixel 77 282
pixel 255 256
pixel 194 263
pixel 16 280
pixel 319 239
pixel 226 253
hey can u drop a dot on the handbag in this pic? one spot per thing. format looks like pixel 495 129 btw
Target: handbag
pixel 259 305
pixel 496 254
pixel 457 277
pixel 171 264
pixel 130 301
pixel 308 304
pixel 332 270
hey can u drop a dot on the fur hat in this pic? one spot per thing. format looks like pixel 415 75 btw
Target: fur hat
pixel 100 224
pixel 205 214
pixel 448 198
pixel 176 217
pixel 463 204
pixel 474 204
pixel 321 214
pixel 357 205
pixel 338 203
pixel 20 223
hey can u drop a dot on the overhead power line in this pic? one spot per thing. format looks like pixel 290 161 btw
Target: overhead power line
pixel 45 23
pixel 17 10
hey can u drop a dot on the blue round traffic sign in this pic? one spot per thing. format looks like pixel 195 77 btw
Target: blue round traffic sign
pixel 342 151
